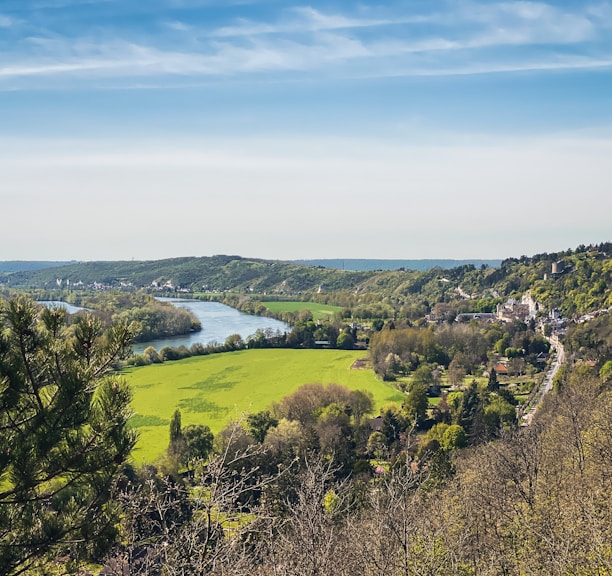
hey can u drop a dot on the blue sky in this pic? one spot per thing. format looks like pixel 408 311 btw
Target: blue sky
pixel 277 129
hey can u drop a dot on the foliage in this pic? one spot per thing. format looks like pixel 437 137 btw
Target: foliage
pixel 538 500
pixel 461 348
pixel 412 346
pixel 591 340
pixel 415 405
pixel 176 432
pixel 198 440
pixel 308 402
pixel 64 433
pixel 606 372
pixel 453 437
pixel 345 341
pixel 259 424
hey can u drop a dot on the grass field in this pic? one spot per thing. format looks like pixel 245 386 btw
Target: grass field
pixel 319 311
pixel 215 389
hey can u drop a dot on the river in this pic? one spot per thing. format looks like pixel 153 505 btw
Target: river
pixel 218 322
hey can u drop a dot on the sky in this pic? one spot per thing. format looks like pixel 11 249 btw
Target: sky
pixel 285 130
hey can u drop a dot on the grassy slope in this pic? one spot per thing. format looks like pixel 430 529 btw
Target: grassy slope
pixel 319 311
pixel 214 389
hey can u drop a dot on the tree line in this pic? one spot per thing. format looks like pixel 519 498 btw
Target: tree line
pixel 462 349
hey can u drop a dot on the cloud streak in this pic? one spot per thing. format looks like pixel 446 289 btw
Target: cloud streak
pixel 475 38
pixel 307 19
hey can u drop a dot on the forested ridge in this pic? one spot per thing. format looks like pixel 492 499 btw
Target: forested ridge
pixel 581 284
pixel 205 273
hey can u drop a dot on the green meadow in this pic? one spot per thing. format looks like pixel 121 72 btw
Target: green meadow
pixel 319 311
pixel 215 389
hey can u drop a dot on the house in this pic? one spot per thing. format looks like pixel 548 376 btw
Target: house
pixel 511 310
pixel 532 305
pixel 501 369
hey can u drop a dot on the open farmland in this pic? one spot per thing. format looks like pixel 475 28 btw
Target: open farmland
pixel 319 311
pixel 214 389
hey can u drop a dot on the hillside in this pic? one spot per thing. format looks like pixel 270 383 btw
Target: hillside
pixel 215 273
pixel 574 281
pixel 25 265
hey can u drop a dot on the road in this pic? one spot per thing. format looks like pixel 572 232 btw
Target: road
pixel 547 383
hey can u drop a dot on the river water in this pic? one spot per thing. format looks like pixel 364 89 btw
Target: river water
pixel 218 322
pixel 70 308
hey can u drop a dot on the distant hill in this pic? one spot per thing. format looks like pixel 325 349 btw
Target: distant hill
pixel 214 273
pixel 574 281
pixel 366 265
pixel 27 265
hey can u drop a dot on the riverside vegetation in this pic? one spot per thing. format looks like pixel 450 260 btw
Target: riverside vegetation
pixel 152 318
pixel 443 482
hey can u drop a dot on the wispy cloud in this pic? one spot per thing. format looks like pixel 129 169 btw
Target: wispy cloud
pixel 128 59
pixel 507 22
pixel 567 64
pixel 6 21
pixel 308 19
pixel 530 22
pixel 179 26
pixel 306 39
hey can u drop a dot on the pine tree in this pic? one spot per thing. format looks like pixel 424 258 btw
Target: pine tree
pixel 64 433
